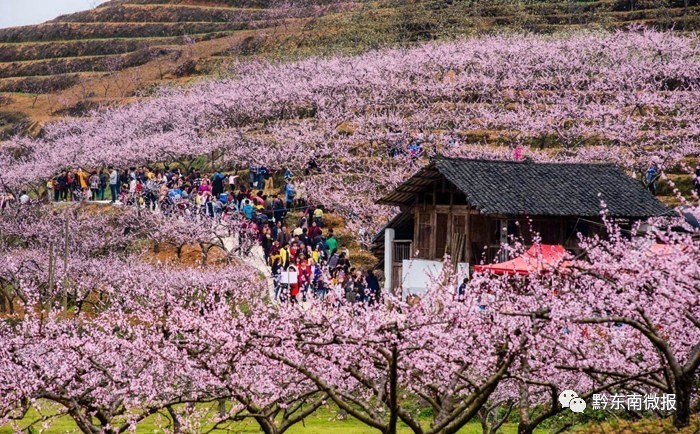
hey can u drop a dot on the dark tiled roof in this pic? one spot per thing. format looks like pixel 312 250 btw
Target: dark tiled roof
pixel 536 189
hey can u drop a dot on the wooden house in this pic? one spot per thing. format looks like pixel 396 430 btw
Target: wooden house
pixel 468 208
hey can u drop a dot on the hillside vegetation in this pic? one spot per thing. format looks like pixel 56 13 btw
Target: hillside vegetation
pixel 120 49
pixel 157 340
pixel 620 97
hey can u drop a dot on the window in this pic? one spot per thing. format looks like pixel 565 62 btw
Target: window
pixel 402 250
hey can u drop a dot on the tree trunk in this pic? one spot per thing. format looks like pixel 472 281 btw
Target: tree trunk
pixel 484 420
pixel 524 426
pixel 266 426
pixel 205 254
pixel 684 386
pixel 83 423
pixel 393 391
pixel 177 426
pixel 222 408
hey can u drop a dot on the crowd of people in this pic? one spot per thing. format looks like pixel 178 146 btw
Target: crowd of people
pixel 135 185
pixel 305 261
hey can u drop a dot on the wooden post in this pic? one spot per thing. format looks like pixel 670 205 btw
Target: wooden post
pixel 468 234
pixel 503 239
pixel 433 232
pixel 457 255
pixel 389 235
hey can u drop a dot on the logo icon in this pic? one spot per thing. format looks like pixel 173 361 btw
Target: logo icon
pixel 570 399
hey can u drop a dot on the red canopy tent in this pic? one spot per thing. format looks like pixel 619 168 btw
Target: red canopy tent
pixel 543 257
pixel 664 249
pixel 537 259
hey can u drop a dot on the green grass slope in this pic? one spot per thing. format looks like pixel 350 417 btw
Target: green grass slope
pixel 323 421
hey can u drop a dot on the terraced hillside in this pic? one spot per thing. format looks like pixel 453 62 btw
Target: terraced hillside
pixel 122 34
pixel 119 50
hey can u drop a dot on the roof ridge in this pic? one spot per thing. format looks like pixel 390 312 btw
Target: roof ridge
pixel 439 158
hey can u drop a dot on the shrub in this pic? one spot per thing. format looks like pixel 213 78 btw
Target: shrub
pixel 62 31
pixel 12 123
pixel 40 84
pixel 122 14
pixel 96 47
pixel 188 67
pixel 5 100
pixel 250 45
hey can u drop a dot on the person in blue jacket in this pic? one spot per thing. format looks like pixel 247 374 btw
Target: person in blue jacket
pixel 248 209
pixel 289 193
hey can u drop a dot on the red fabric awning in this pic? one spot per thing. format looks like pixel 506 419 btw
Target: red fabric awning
pixel 663 249
pixel 537 259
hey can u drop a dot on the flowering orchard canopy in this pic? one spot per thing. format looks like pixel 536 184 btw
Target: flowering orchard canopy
pixel 155 338
pixel 619 97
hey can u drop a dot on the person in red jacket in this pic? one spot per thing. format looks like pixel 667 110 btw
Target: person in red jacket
pixel 303 276
pixel 293 292
pixel 294 252
pixel 314 231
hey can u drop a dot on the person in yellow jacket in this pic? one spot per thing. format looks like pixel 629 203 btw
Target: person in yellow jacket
pixel 83 177
pixel 318 216
pixel 285 256
pixel 275 253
